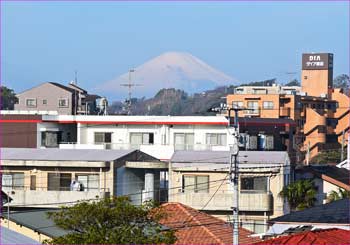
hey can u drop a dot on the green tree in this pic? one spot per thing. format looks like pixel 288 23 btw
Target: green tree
pixel 326 157
pixel 8 98
pixel 334 195
pixel 111 221
pixel 342 81
pixel 300 194
pixel 294 82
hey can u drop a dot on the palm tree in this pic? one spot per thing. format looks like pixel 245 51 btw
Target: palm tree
pixel 300 194
pixel 334 195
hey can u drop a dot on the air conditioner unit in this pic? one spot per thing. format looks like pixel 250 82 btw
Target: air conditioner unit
pixel 324 95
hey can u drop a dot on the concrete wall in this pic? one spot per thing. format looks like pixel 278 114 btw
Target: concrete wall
pixel 268 202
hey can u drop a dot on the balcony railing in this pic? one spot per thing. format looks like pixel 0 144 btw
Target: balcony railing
pixel 46 198
pixel 252 112
pixel 250 201
pixel 127 146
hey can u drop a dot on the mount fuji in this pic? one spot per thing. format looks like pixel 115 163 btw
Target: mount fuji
pixel 178 70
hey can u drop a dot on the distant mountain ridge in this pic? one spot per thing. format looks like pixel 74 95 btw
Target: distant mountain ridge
pixel 179 70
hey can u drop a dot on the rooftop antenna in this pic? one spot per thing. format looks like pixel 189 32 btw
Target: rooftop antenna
pixel 129 85
pixel 76 77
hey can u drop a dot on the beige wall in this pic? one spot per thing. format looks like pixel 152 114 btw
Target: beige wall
pixel 215 180
pixel 49 92
pixel 24 231
pixel 27 196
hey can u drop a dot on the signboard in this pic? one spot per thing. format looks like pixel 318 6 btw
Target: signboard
pixel 322 61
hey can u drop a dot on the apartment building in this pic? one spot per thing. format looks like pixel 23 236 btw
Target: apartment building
pixel 200 180
pixel 53 177
pixel 61 99
pixel 320 111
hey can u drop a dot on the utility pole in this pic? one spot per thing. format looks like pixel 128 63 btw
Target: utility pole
pixel 342 146
pixel 129 85
pixel 234 168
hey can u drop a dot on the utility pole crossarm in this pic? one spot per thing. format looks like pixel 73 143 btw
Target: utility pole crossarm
pixel 234 168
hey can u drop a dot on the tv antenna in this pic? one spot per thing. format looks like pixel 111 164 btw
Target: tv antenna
pixel 129 85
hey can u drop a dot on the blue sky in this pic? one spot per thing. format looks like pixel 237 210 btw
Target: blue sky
pixel 48 41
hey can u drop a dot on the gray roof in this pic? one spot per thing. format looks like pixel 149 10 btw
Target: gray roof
pixel 37 220
pixel 13 237
pixel 268 157
pixel 55 154
pixel 337 212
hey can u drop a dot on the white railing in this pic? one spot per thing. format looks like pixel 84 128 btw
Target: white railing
pixel 47 198
pixel 223 201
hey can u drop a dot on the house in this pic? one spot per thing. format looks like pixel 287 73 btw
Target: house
pixel 158 136
pixel 327 236
pixel 326 178
pixel 320 111
pixel 56 97
pixel 195 227
pixel 199 179
pixel 52 177
pixel 331 215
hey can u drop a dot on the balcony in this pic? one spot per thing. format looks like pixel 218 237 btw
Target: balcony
pixel 53 199
pixel 251 201
pixel 284 112
pixel 252 112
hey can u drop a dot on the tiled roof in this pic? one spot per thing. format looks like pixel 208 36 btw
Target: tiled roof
pixel 337 212
pixel 329 236
pixel 337 176
pixel 195 227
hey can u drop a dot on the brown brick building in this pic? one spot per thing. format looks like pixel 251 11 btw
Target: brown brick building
pixel 320 111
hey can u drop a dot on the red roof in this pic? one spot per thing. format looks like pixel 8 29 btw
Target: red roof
pixel 329 236
pixel 195 227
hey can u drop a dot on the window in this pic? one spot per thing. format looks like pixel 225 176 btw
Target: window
pixel 50 138
pixel 101 137
pixel 63 103
pixel 254 184
pixel 44 102
pixel 216 139
pixel 59 181
pixel 184 141
pixel 253 107
pixel 137 139
pixel 195 183
pixel 89 181
pixel 12 181
pixel 33 182
pixel 238 104
pixel 31 102
pixel 268 104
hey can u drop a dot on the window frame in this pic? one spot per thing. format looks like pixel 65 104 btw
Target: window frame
pixel 186 145
pixel 13 186
pixel 268 105
pixel 143 135
pixel 29 105
pixel 218 139
pixel 253 190
pixel 195 188
pixel 63 99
